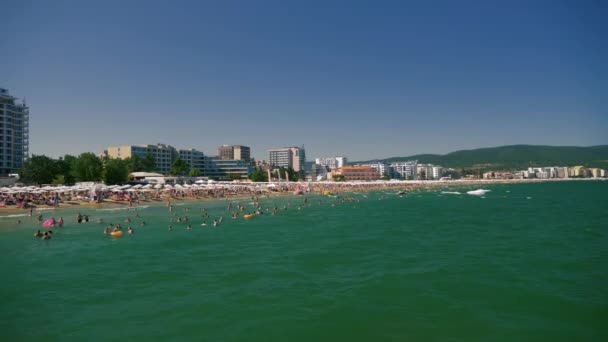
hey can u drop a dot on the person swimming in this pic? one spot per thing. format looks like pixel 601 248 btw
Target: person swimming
pixel 46 236
pixel 170 227
pixel 189 227
pixel 79 218
pixel 130 230
pixel 204 224
pixel 214 223
pixel 38 234
pixel 60 222
pixel 106 230
pixel 86 218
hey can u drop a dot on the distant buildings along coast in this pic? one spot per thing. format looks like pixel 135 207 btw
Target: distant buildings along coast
pixel 215 167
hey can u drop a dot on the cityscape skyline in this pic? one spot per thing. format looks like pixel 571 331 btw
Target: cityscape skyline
pixel 366 82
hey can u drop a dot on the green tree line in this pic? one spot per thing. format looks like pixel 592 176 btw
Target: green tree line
pixel 87 167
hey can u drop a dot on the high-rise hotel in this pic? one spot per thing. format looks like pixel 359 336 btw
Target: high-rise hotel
pixel 294 157
pixel 14 133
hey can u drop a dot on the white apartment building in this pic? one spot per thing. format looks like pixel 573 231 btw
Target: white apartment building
pixel 331 162
pixel 404 170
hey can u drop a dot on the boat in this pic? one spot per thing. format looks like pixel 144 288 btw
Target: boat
pixel 478 192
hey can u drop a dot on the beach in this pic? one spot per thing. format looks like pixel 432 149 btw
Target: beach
pixel 228 190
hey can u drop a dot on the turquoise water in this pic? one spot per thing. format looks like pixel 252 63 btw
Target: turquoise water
pixel 527 262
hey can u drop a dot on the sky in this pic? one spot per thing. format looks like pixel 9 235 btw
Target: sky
pixel 363 79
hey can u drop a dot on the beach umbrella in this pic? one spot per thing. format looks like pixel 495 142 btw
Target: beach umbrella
pixel 148 186
pixel 158 186
pixel 138 186
pixel 168 186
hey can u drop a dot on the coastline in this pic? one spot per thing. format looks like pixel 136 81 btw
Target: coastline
pixel 316 188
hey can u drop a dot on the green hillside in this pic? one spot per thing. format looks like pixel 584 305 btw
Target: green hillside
pixel 516 157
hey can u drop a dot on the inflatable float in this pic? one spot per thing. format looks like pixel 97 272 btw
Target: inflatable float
pixel 117 233
pixel 248 216
pixel 49 223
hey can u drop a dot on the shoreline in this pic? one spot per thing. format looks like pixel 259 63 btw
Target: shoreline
pixel 316 188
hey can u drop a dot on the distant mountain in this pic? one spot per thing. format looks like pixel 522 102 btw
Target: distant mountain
pixel 514 157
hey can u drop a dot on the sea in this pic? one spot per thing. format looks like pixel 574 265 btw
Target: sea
pixel 524 262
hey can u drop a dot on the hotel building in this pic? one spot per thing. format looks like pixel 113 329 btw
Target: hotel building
pixel 404 170
pixel 331 162
pixel 194 158
pixel 294 157
pixel 164 155
pixel 357 173
pixel 234 152
pixel 14 133
pixel 221 169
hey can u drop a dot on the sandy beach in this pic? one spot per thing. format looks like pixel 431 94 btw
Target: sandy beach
pixel 236 191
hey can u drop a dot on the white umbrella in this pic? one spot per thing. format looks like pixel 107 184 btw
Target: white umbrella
pixel 148 186
pixel 158 186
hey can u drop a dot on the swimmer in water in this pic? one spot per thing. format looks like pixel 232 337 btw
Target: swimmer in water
pixel 46 236
pixel 189 227
pixel 38 234
pixel 170 227
pixel 106 230
pixel 60 222
pixel 130 230
pixel 214 223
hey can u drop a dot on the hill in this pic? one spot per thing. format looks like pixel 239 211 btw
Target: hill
pixel 515 157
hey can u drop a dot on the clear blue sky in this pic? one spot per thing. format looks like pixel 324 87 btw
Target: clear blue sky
pixel 362 79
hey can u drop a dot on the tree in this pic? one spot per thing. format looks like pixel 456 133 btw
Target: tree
pixel 148 163
pixel 293 175
pixel 194 173
pixel 87 168
pixel 116 171
pixel 179 167
pixel 38 170
pixel 234 176
pixel 338 178
pixel 258 175
pixel 64 169
pixel 135 163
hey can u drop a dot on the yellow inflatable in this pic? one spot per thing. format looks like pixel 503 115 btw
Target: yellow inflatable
pixel 116 234
pixel 248 216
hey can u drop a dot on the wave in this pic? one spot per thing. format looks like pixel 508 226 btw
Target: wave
pixel 13 215
pixel 451 193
